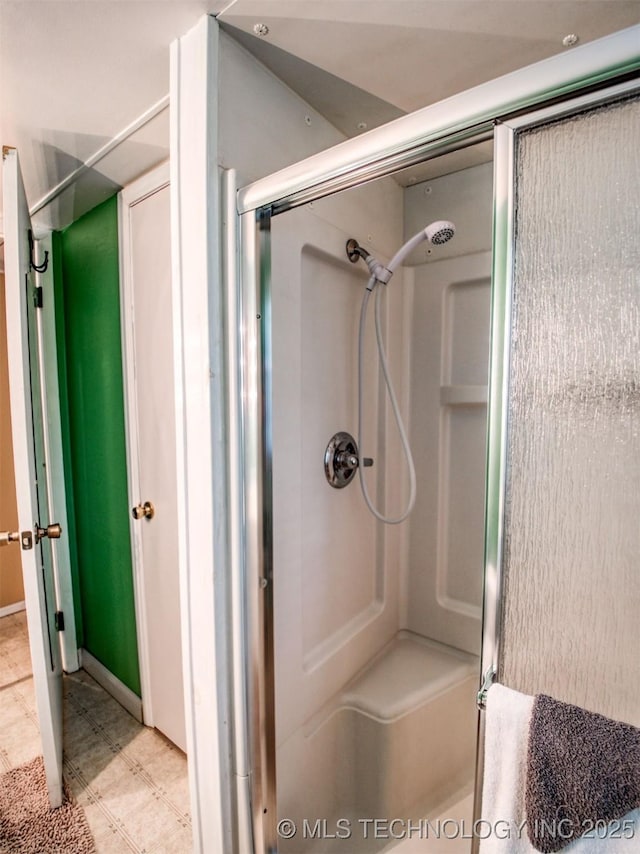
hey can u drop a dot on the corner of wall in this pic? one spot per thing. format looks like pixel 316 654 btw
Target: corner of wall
pixel 263 124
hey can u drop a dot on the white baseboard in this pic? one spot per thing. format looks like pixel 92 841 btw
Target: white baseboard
pixel 11 609
pixel 111 684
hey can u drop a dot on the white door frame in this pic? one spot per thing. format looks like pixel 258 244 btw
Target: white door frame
pixel 135 192
pixel 201 446
pixel 55 472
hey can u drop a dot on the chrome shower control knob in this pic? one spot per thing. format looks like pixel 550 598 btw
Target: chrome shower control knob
pixel 346 460
pixel 341 460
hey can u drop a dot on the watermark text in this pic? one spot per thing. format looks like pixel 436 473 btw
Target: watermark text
pixel 449 828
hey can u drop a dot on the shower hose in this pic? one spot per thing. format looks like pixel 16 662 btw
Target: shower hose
pixel 375 284
pixel 438 232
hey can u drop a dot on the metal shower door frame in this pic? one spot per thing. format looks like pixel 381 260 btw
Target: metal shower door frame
pixel 497 440
pixel 488 110
pixel 502 287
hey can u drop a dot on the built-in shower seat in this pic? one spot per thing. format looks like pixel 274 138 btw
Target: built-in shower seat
pixel 397 742
pixel 415 710
pixel 409 672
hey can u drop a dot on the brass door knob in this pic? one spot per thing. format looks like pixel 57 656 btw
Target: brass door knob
pixel 53 532
pixel 144 511
pixel 7 537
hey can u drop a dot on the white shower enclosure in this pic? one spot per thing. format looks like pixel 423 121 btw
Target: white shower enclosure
pixel 371 716
pixel 377 627
pixel 339 658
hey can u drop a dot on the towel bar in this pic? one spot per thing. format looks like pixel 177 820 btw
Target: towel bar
pixel 487 682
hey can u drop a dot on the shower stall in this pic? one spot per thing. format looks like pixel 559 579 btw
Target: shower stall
pixel 358 652
pixel 377 627
pixel 372 633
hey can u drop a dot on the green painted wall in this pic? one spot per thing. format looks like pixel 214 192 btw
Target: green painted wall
pixel 88 321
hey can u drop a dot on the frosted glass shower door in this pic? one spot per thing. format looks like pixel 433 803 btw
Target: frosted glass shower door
pixel 571 559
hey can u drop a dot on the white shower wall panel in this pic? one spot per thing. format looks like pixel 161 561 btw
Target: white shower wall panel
pixel 449 353
pixel 341 559
pixel 465 198
pixel 336 570
pixel 449 375
pixel 262 124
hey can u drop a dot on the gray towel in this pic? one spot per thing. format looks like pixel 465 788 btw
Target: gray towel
pixel 582 768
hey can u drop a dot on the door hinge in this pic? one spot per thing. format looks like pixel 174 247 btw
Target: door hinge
pixel 58 619
pixel 38 297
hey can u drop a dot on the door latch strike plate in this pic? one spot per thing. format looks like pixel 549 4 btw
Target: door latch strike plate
pixel 58 620
pixel 26 540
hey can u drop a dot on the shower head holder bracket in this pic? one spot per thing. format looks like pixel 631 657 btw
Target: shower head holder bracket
pixel 354 251
pixel 379 272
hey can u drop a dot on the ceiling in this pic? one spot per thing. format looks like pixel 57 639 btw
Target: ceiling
pixel 75 73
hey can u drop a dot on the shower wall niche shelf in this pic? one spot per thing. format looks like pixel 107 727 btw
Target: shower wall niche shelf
pixel 464 395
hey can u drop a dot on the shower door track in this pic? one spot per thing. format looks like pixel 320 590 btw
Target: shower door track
pixel 460 121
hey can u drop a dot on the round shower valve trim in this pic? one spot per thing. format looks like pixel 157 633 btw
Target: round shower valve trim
pixel 341 460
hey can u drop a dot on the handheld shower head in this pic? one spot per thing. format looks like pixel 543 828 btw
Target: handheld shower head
pixel 439 232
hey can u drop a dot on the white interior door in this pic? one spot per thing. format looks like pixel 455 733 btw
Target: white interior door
pixel 147 319
pixel 23 335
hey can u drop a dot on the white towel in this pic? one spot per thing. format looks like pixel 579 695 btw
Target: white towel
pixel 503 826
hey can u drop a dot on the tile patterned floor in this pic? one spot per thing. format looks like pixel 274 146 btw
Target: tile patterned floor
pixel 131 781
